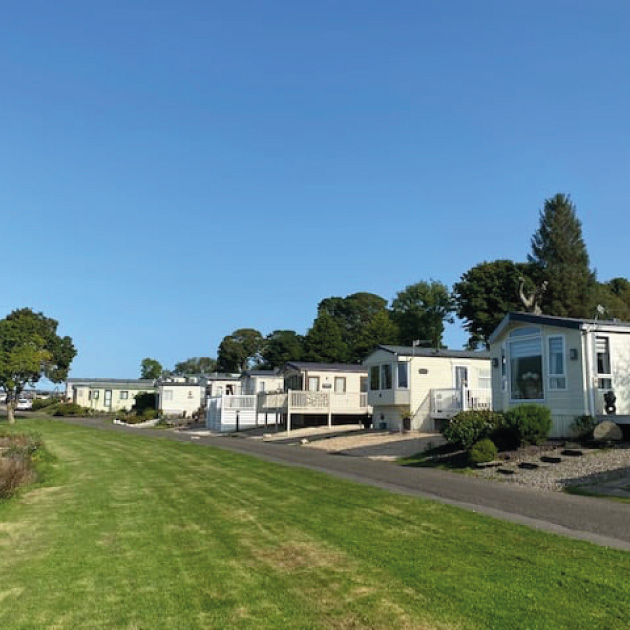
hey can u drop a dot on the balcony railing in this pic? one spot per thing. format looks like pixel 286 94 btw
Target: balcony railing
pixel 446 403
pixel 295 401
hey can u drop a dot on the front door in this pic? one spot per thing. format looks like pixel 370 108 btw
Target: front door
pixel 461 376
pixel 107 401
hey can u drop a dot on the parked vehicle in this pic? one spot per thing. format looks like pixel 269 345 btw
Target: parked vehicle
pixel 24 404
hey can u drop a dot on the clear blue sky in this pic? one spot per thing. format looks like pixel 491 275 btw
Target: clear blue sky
pixel 172 171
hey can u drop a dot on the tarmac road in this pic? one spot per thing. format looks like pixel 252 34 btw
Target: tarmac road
pixel 600 521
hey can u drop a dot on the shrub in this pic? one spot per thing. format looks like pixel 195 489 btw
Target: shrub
pixel 42 403
pixel 583 426
pixel 530 423
pixel 14 472
pixel 71 409
pixel 143 402
pixel 468 427
pixel 149 414
pixel 483 451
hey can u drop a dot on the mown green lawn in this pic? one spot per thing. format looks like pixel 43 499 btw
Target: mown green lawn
pixel 141 533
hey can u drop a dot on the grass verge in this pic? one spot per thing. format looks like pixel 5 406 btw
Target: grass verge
pixel 139 533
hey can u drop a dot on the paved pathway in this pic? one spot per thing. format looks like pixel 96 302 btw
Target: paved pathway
pixel 600 521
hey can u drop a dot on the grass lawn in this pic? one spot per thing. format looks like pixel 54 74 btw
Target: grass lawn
pixel 141 533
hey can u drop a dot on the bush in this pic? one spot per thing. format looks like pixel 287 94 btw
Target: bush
pixel 483 451
pixel 583 427
pixel 14 472
pixel 468 427
pixel 143 402
pixel 71 409
pixel 42 403
pixel 529 423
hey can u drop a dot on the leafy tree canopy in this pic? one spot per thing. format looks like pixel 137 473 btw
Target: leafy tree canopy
pixel 240 350
pixel 380 330
pixel 485 293
pixel 421 310
pixel 195 365
pixel 559 257
pixel 323 342
pixel 150 368
pixel 280 347
pixel 29 350
pixel 614 297
pixel 353 314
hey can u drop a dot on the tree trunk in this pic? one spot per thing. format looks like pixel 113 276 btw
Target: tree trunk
pixel 11 412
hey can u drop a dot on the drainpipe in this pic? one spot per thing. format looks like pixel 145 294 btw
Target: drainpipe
pixel 589 371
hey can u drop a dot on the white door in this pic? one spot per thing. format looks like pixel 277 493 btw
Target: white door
pixel 461 376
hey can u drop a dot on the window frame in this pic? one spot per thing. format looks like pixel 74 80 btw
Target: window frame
pixel 375 371
pixel 520 339
pixel 556 375
pixel 399 365
pixel 342 380
pixel 604 376
pixel 387 381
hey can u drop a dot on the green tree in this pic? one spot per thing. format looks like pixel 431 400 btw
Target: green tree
pixel 240 350
pixel 29 350
pixel 280 347
pixel 195 365
pixel 380 330
pixel 614 297
pixel 559 258
pixel 150 368
pixel 323 342
pixel 485 293
pixel 421 310
pixel 353 314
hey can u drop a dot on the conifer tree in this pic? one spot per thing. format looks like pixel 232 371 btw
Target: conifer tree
pixel 559 257
pixel 324 343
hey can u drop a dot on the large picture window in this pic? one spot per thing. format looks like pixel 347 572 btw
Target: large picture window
pixel 557 376
pixel 526 373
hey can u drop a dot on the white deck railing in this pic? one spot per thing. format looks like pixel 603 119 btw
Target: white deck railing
pixel 446 403
pixel 313 402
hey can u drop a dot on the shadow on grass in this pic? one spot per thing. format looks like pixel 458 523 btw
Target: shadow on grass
pixel 445 457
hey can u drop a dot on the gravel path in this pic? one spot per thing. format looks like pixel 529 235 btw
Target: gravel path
pixel 594 466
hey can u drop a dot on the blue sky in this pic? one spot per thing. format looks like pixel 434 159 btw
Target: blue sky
pixel 172 171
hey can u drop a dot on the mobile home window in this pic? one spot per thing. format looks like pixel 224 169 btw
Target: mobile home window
pixel 313 383
pixel 374 377
pixel 364 384
pixel 403 375
pixel 386 376
pixel 124 395
pixel 602 345
pixel 557 377
pixel 340 385
pixel 484 379
pixel 168 394
pixel 526 374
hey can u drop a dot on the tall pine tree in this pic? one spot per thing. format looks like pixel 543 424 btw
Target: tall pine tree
pixel 559 257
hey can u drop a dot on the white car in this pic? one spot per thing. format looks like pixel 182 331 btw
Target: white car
pixel 24 404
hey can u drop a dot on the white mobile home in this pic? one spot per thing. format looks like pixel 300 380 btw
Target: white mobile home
pixel 421 389
pixel 563 363
pixel 107 394
pixel 181 396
